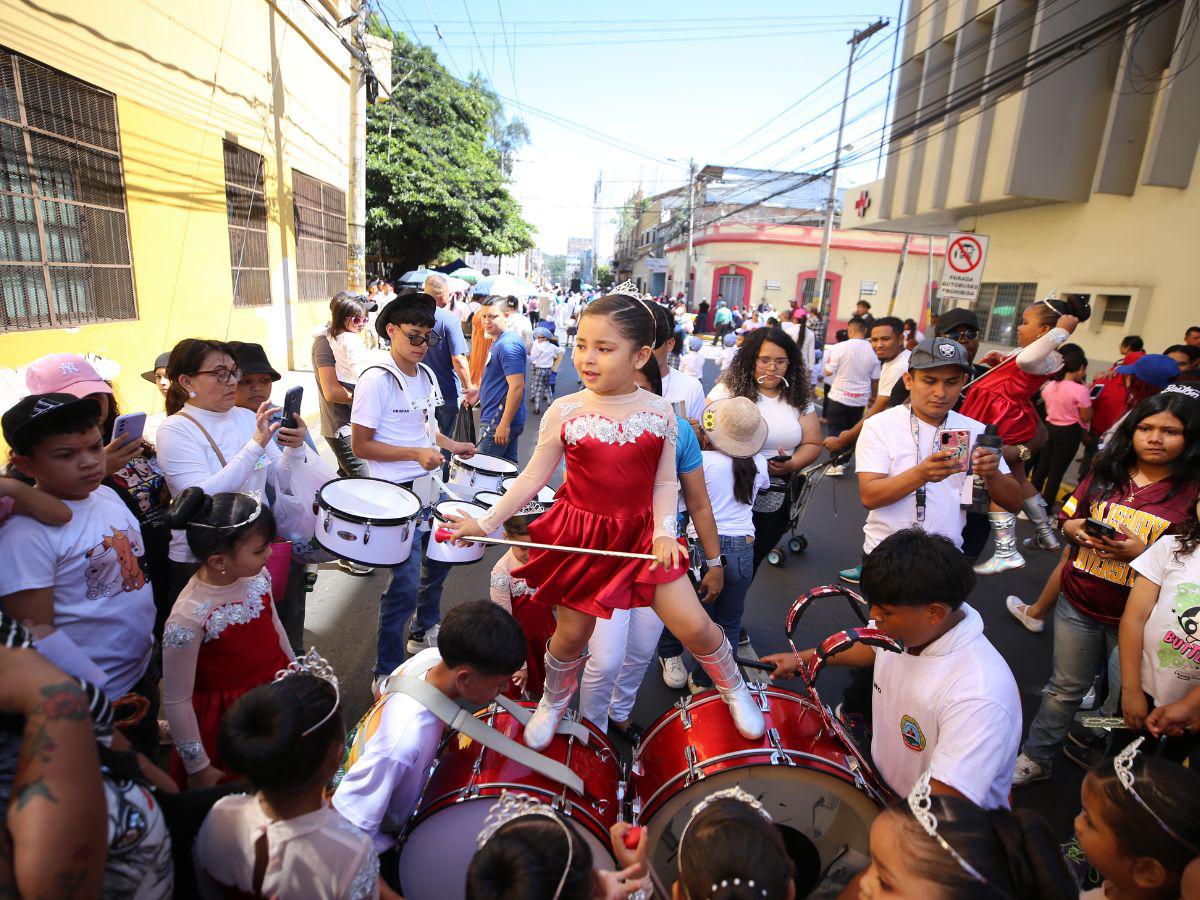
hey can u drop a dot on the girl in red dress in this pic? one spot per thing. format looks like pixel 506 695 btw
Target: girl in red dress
pixel 1004 396
pixel 223 636
pixel 620 493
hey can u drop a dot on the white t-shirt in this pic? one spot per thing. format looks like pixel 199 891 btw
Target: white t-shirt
pixel 678 387
pixel 851 366
pixel 1170 644
pixel 890 372
pixel 519 323
pixel 102 601
pixel 783 421
pixel 734 519
pixel 543 354
pixel 953 710
pixel 399 739
pixel 402 417
pixel 885 447
pixel 692 363
pixel 349 356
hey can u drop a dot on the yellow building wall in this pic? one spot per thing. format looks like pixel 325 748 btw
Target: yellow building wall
pixel 186 76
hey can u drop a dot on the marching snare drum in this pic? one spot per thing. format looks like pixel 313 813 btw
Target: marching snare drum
pixel 447 551
pixel 367 520
pixel 488 499
pixel 468 778
pixel 480 472
pixel 817 792
pixel 543 499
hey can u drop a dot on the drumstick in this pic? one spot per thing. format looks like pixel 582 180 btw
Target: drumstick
pixel 444 534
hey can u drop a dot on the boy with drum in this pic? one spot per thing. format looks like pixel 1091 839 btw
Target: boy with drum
pixel 394 430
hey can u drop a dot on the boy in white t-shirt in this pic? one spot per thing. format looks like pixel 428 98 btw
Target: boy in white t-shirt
pixel 692 362
pixel 544 356
pixel 480 647
pixel 949 703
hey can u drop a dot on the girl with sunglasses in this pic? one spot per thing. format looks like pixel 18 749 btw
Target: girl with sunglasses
pixel 348 318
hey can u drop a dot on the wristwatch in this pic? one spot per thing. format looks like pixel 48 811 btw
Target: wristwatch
pixel 1023 452
pixel 719 562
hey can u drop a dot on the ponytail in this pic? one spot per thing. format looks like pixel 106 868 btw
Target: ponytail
pixel 744 474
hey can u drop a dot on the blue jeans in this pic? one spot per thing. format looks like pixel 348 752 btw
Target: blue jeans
pixel 727 609
pixel 1082 646
pixel 488 446
pixel 415 585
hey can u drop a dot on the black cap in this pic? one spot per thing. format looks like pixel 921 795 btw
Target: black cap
pixel 252 359
pixel 160 362
pixel 37 410
pixel 400 303
pixel 932 353
pixel 956 318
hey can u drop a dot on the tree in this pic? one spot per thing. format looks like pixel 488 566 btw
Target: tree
pixel 439 154
pixel 603 276
pixel 555 265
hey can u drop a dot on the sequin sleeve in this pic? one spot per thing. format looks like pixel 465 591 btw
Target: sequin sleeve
pixel 500 582
pixel 182 637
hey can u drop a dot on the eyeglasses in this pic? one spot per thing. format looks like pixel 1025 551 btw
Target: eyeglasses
pixel 768 362
pixel 416 340
pixel 358 320
pixel 223 375
pixel 963 334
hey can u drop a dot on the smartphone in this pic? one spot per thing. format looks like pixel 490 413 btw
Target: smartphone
pixel 1096 528
pixel 958 442
pixel 780 458
pixel 291 404
pixel 130 426
pixel 1095 391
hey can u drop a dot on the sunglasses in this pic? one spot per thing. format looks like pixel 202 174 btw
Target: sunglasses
pixel 416 340
pixel 223 375
pixel 963 334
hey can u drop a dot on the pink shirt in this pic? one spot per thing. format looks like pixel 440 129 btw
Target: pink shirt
pixel 1064 399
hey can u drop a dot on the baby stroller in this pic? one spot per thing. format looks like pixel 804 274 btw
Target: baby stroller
pixel 803 485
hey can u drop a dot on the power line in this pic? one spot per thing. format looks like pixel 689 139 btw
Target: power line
pixel 482 60
pixel 438 31
pixel 621 42
pixel 512 60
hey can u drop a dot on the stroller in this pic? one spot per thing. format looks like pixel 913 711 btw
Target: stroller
pixel 803 485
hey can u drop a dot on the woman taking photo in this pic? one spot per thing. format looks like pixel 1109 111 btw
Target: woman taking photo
pixel 768 369
pixel 1142 485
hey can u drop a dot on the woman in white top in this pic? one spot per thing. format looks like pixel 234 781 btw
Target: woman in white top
pixel 769 370
pixel 210 442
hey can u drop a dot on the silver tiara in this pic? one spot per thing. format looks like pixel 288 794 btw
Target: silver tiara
pixel 1123 765
pixel 256 496
pixel 532 508
pixel 733 793
pixel 312 663
pixel 513 806
pixel 1186 390
pixel 627 289
pixel 920 801
pixel 1047 300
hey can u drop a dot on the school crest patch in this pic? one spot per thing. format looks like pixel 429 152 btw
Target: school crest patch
pixel 911 734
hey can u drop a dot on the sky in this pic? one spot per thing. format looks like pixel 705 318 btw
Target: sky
pixel 632 90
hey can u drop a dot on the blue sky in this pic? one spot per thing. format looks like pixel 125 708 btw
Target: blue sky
pixel 662 82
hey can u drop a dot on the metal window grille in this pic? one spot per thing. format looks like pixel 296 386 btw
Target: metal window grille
pixel 320 237
pixel 1116 309
pixel 809 291
pixel 64 236
pixel 1000 306
pixel 246 211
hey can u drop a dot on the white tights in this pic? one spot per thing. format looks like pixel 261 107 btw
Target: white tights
pixel 621 648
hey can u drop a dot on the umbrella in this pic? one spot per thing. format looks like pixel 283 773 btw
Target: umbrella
pixel 457 285
pixel 466 273
pixel 415 278
pixel 503 286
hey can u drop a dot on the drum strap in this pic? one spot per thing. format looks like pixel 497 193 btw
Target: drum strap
pixel 476 729
pixel 523 714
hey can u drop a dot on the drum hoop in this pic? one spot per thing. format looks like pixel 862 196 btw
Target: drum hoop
pixel 438 516
pixel 667 718
pixel 568 807
pixel 503 473
pixel 367 520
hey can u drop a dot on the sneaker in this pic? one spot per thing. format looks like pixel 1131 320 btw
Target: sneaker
pixel 1027 771
pixel 743 638
pixel 675 675
pixel 1042 541
pixel 836 471
pixel 1086 739
pixel 1085 757
pixel 354 568
pixel 418 642
pixel 1020 612
pixel 850 576
pixel 693 687
pixel 1089 699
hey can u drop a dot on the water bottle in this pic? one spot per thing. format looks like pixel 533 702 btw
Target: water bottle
pixel 990 440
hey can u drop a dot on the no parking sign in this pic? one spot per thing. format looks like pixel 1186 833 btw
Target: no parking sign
pixel 965 255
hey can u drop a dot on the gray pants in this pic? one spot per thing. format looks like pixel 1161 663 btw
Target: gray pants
pixel 349 465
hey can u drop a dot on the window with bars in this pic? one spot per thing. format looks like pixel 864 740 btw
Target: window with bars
pixel 320 237
pixel 64 239
pixel 999 308
pixel 246 210
pixel 809 291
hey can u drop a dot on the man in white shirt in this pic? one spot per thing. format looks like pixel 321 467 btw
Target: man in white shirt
pixel 677 387
pixel 887 340
pixel 394 429
pixel 852 372
pixel 519 323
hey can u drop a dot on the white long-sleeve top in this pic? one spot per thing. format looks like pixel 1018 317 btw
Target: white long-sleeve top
pixel 350 356
pixel 1041 356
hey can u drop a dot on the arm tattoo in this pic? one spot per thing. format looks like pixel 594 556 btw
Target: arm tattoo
pixel 61 702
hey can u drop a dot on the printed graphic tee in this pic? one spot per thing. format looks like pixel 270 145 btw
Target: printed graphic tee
pixel 1170 643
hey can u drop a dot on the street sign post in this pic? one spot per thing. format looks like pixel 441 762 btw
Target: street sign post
pixel 966 254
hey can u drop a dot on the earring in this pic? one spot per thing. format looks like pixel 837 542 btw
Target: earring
pixel 192 394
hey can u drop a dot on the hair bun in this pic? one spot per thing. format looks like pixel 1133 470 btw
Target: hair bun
pixel 1079 307
pixel 186 508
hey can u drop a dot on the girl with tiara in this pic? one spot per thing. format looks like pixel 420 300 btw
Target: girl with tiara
pixel 620 493
pixel 1004 397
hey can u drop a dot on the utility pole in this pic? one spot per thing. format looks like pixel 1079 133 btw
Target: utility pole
pixel 819 296
pixel 687 262
pixel 899 273
pixel 356 200
pixel 592 276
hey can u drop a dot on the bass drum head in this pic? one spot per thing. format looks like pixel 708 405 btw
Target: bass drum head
pixel 438 852
pixel 817 815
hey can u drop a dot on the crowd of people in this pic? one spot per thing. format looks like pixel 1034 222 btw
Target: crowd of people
pixel 167 734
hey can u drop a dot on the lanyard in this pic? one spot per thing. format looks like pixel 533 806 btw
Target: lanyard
pixel 916 431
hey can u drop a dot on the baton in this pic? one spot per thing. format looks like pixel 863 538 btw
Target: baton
pixel 444 534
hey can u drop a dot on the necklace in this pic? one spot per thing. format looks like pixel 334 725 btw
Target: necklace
pixel 1134 490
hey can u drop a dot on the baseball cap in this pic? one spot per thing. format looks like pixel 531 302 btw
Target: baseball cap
pixel 956 318
pixel 160 362
pixel 252 360
pixel 932 353
pixel 64 373
pixel 29 414
pixel 1154 368
pixel 694 343
pixel 543 332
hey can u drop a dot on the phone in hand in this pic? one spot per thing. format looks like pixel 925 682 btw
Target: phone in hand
pixel 779 458
pixel 958 442
pixel 291 405
pixel 1096 528
pixel 129 426
pixel 1094 393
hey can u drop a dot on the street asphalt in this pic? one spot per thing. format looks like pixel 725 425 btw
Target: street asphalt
pixel 342 612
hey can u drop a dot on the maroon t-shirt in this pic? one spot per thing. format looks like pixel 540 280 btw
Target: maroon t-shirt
pixel 1099 587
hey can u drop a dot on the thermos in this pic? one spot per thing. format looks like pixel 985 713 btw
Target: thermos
pixel 990 440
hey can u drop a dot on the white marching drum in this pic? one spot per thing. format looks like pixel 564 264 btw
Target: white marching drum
pixel 540 503
pixel 367 520
pixel 480 472
pixel 447 551
pixel 488 499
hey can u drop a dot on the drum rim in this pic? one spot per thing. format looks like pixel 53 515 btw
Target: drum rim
pixel 453 798
pixel 503 473
pixel 707 697
pixel 497 494
pixel 367 520
pixel 337 551
pixel 483 509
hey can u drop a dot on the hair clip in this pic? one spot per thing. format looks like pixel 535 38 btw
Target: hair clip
pixel 1123 766
pixel 920 801
pixel 312 663
pixel 513 806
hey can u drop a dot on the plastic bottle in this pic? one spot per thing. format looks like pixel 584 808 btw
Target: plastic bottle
pixel 989 440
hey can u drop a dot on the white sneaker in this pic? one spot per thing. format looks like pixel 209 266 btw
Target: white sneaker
pixel 675 674
pixel 694 688
pixel 1089 699
pixel 354 568
pixel 427 640
pixel 1020 612
pixel 836 471
pixel 1026 771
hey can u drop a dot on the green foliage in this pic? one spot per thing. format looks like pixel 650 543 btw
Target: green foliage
pixel 555 266
pixel 603 275
pixel 439 153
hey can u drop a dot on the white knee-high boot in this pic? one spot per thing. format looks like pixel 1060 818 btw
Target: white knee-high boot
pixel 1005 555
pixel 721 666
pixel 561 681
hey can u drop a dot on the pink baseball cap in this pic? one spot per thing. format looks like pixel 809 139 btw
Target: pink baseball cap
pixel 67 373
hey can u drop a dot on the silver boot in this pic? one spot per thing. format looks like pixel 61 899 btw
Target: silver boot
pixel 721 666
pixel 1005 556
pixel 561 680
pixel 1046 538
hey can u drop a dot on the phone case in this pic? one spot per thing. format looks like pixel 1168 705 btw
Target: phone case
pixel 958 441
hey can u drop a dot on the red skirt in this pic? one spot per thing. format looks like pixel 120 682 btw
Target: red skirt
pixel 537 621
pixel 1016 418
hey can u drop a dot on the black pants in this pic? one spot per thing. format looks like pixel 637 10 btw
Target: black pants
pixel 721 330
pixel 842 417
pixel 1176 749
pixel 768 529
pixel 975 535
pixel 1054 458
